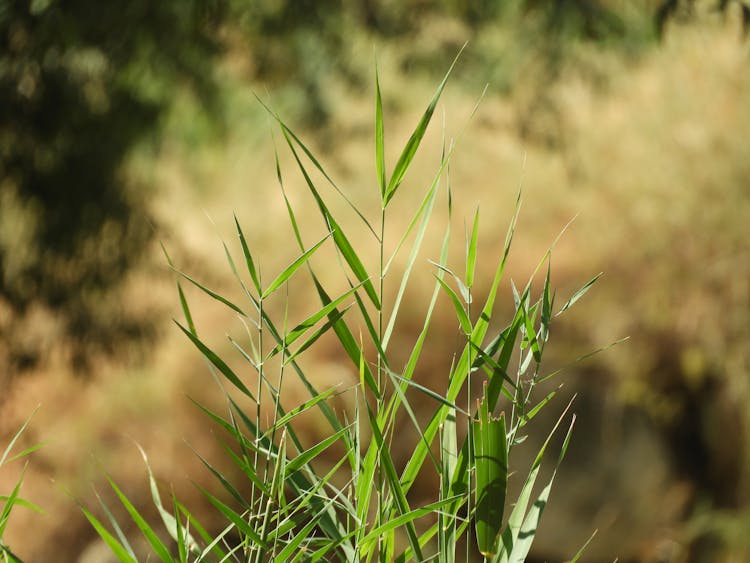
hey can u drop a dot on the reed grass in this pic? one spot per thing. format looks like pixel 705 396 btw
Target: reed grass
pixel 287 508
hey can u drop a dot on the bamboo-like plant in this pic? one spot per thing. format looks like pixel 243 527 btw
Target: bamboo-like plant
pixel 295 513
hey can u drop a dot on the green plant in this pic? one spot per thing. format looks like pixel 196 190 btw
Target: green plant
pixel 9 502
pixel 295 510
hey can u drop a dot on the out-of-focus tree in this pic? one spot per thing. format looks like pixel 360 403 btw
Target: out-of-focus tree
pixel 81 82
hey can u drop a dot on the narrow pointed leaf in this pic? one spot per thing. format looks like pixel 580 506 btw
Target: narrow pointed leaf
pixel 547 302
pixel 528 531
pixel 471 252
pixel 339 238
pixel 379 137
pixel 248 257
pixel 217 361
pixel 579 553
pixel 186 310
pixel 304 458
pixel 578 294
pixel 115 546
pixel 311 321
pixel 293 267
pixel 347 340
pixel 240 522
pixel 404 519
pixel 429 392
pixel 407 155
pixel 10 503
pixel 153 539
pixel 212 293
pixel 463 318
pixel 16 436
pixel 171 523
pixel 512 529
pixel 121 536
pixel 425 213
pixel 399 494
pixel 289 134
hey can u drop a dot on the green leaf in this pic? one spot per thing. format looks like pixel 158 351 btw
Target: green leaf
pixel 115 525
pixel 153 539
pixel 364 487
pixel 4 458
pixel 578 294
pixel 531 336
pixel 579 553
pixel 311 321
pixel 248 257
pixel 293 545
pixel 213 541
pixel 547 304
pixel 182 547
pixel 289 134
pixel 407 518
pixel 171 523
pixel 304 407
pixel 390 413
pixel 115 546
pixel 538 407
pixel 471 252
pixel 305 457
pixel 217 361
pixel 491 460
pixel 238 520
pixel 246 468
pixel 463 289
pixel 447 518
pixel 463 318
pixel 339 238
pixel 425 213
pixel 344 334
pixel 293 267
pixel 211 293
pixel 516 519
pixel 186 310
pixel 9 504
pixel 528 531
pixel 407 155
pixel 379 136
pixel 399 494
pixel 18 501
pixel 429 392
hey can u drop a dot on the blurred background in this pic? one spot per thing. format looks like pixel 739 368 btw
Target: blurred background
pixel 125 124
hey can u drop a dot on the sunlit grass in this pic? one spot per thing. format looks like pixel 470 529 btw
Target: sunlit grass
pixel 287 510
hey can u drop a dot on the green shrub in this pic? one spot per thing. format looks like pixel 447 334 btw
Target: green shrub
pixel 292 505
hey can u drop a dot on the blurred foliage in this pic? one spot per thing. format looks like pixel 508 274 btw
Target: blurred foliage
pixel 81 83
pixel 313 41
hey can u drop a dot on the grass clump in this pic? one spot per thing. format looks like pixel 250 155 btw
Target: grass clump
pixel 294 503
